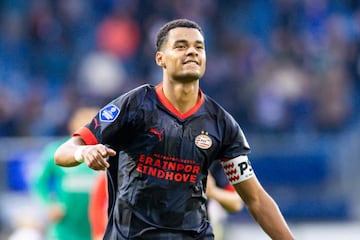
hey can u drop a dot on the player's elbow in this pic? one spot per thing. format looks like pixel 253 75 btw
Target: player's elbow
pixel 58 157
pixel 64 154
pixel 63 158
pixel 236 206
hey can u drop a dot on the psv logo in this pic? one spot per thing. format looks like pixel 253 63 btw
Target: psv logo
pixel 238 169
pixel 203 141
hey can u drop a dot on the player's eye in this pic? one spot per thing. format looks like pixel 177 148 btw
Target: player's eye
pixel 180 46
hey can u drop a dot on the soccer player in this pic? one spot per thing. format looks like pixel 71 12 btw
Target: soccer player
pixel 157 143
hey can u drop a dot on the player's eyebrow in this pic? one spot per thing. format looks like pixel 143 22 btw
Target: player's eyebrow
pixel 186 41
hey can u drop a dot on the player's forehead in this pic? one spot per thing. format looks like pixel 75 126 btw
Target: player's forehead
pixel 191 35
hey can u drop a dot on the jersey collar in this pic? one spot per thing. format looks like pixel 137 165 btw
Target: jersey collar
pixel 160 94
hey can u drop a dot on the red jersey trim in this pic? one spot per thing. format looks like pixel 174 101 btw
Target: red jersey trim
pixel 88 137
pixel 230 188
pixel 171 108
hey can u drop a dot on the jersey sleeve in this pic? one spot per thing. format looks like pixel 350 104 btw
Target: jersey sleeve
pixel 113 120
pixel 234 159
pixel 218 173
pixel 234 140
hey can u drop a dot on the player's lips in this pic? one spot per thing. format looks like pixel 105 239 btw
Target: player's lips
pixel 191 62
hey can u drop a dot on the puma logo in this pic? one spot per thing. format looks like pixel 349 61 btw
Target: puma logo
pixel 97 124
pixel 157 133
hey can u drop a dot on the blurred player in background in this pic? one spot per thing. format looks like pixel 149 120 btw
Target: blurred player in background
pixel 218 189
pixel 65 191
pixel 157 144
pixel 98 206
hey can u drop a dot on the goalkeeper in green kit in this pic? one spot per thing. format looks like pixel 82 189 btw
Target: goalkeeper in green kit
pixel 65 191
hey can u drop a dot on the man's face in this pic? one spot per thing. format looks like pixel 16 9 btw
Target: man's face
pixel 183 55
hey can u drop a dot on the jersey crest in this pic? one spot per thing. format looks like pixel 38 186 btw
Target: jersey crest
pixel 203 141
pixel 109 113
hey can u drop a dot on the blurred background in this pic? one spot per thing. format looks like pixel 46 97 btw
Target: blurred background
pixel 288 70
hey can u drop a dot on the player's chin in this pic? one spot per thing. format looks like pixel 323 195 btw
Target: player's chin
pixel 191 76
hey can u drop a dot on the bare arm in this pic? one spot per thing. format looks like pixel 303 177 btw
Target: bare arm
pixel 94 156
pixel 229 200
pixel 264 209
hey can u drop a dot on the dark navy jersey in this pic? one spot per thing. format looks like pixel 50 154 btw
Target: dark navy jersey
pixel 218 173
pixel 157 179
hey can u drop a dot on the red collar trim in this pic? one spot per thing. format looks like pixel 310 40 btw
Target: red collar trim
pixel 172 109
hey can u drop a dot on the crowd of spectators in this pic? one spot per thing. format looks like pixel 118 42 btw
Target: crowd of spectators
pixel 277 65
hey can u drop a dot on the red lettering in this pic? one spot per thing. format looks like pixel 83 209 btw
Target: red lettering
pixel 193 178
pixel 165 163
pixel 157 163
pixel 186 177
pixel 152 171
pixel 142 158
pixel 169 175
pixel 139 167
pixel 169 168
pixel 172 166
pixel 180 167
pixel 160 173
pixel 188 168
pixel 196 169
pixel 178 177
pixel 149 161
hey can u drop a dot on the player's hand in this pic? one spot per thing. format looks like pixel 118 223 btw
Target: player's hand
pixel 96 156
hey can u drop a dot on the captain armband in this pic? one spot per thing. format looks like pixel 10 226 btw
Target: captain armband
pixel 238 169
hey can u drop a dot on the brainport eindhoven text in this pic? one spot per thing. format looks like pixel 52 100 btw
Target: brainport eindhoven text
pixel 168 168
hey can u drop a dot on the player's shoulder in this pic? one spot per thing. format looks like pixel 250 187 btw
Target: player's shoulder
pixel 217 111
pixel 214 107
pixel 144 88
pixel 134 95
pixel 140 90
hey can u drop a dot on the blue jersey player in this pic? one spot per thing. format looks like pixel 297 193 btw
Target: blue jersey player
pixel 157 143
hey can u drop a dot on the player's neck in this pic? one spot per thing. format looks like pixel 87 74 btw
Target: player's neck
pixel 183 96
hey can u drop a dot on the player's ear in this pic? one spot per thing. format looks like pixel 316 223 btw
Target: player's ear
pixel 159 58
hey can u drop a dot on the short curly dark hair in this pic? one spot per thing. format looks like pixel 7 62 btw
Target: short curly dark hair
pixel 164 30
